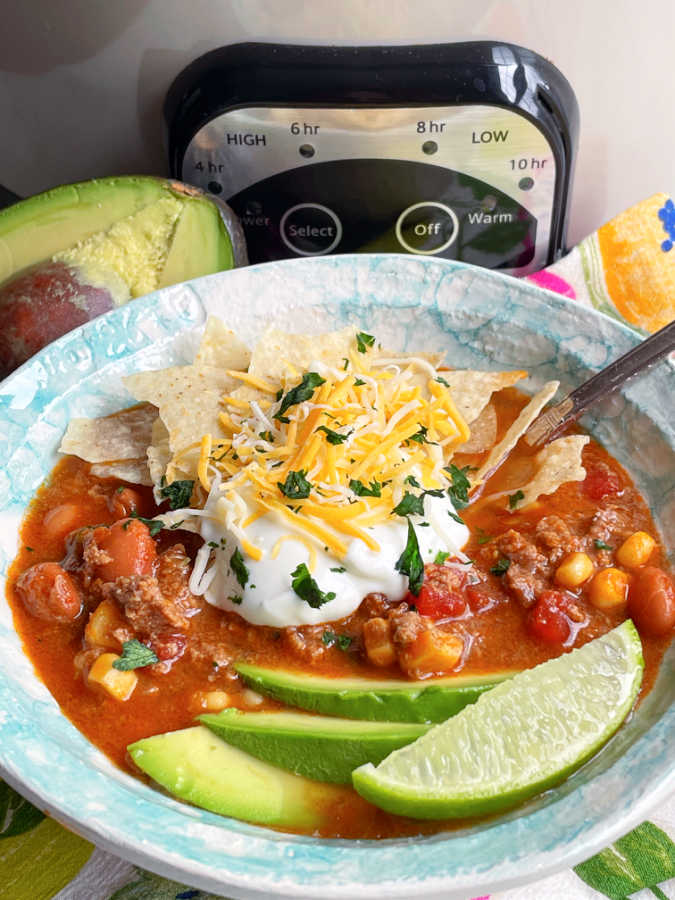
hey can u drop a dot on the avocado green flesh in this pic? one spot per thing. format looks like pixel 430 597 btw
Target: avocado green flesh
pixel 37 229
pixel 434 700
pixel 197 766
pixel 325 749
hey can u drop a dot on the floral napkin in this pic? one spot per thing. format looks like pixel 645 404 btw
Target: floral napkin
pixel 625 269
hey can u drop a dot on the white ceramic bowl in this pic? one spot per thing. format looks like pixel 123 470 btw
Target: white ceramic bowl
pixel 483 320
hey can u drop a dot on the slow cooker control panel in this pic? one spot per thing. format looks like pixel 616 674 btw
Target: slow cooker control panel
pixel 473 183
pixel 463 151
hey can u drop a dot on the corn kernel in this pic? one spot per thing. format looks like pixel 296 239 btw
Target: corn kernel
pixel 251 698
pixel 433 652
pixel 609 588
pixel 102 622
pixel 574 570
pixel 379 648
pixel 635 550
pixel 211 701
pixel 118 684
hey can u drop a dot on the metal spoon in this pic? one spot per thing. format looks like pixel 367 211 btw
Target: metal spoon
pixel 636 362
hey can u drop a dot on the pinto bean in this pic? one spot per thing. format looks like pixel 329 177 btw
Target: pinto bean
pixel 131 549
pixel 651 601
pixel 48 592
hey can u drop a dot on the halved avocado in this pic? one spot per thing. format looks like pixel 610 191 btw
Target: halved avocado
pixel 318 747
pixel 434 700
pixel 77 251
pixel 196 765
pixel 34 230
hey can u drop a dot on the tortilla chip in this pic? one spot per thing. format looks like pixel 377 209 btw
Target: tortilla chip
pixel 189 401
pixel 517 428
pixel 158 452
pixel 472 390
pixel 558 463
pixel 134 471
pixel 277 354
pixel 124 435
pixel 221 348
pixel 483 432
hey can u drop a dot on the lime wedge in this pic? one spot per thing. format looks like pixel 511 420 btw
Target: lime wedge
pixel 520 738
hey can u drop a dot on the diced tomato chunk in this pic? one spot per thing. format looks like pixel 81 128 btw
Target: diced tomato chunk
pixel 600 482
pixel 547 620
pixel 442 593
pixel 438 604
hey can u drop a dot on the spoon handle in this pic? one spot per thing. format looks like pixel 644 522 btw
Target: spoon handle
pixel 616 374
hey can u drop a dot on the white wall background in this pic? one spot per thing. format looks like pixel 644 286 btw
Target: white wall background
pixel 82 81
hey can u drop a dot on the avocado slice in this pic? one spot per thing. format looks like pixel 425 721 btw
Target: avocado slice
pixel 325 749
pixel 434 700
pixel 196 765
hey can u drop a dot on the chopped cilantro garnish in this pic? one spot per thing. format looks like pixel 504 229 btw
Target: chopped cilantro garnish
pixel 514 499
pixel 307 589
pixel 483 537
pixel 410 562
pixel 359 382
pixel 363 341
pixel 333 437
pixel 296 486
pixel 342 640
pixel 266 436
pixel 601 545
pixel 501 566
pixel 300 393
pixel 420 437
pixel 346 363
pixel 154 525
pixel 239 567
pixel 441 380
pixel 360 489
pixel 213 544
pixel 441 557
pixel 412 481
pixel 338 569
pixel 176 525
pixel 178 493
pixel 410 505
pixel 30 549
pixel 134 656
pixel 237 599
pixel 119 489
pixel 453 515
pixel 458 492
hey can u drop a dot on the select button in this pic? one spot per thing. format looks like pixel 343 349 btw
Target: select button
pixel 428 227
pixel 310 229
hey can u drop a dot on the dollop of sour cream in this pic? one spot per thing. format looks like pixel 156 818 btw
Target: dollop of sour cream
pixel 267 596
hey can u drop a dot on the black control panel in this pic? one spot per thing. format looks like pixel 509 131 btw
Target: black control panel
pixel 463 151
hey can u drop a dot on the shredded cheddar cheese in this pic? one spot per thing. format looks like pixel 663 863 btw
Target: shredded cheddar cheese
pixel 334 464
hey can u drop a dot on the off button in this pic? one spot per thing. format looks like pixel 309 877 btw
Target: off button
pixel 310 229
pixel 428 227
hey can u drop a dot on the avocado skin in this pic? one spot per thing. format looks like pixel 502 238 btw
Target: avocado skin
pixel 324 749
pixel 378 701
pixel 196 765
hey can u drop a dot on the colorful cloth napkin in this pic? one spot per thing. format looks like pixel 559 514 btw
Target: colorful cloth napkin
pixel 626 269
